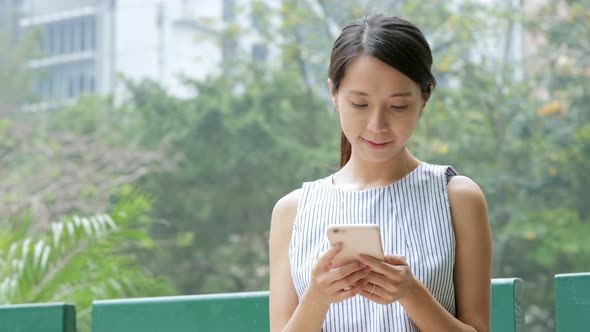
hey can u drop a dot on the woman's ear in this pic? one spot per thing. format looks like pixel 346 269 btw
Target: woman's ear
pixel 425 98
pixel 332 94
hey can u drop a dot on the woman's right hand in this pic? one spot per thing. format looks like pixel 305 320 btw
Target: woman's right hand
pixel 332 285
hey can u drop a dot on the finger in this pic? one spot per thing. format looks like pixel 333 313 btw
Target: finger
pixel 346 294
pixel 350 280
pixel 372 296
pixel 344 271
pixel 396 260
pixel 379 279
pixel 375 264
pixel 371 291
pixel 329 255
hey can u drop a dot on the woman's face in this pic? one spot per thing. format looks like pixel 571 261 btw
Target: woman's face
pixel 379 108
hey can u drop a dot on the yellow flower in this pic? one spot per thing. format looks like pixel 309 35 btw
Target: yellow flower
pixel 357 11
pixel 531 236
pixel 553 171
pixel 550 108
pixel 442 149
pixel 444 66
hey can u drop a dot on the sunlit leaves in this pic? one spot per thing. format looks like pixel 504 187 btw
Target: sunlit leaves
pixel 80 259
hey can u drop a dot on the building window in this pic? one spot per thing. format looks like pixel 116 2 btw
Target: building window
pixel 229 49
pixel 229 10
pixel 50 87
pixel 259 52
pixel 66 37
pixel 76 36
pixel 71 88
pixel 92 33
pixel 55 39
pixel 91 85
pixel 81 84
pixel 62 39
pixel 48 40
pixel 83 35
pixel 257 16
pixel 72 37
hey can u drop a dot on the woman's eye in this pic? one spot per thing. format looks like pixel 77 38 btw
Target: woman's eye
pixel 358 105
pixel 399 108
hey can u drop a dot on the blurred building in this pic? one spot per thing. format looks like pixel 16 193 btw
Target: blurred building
pixel 86 44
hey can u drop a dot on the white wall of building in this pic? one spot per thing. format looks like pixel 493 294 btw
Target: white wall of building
pixel 161 40
pixel 157 40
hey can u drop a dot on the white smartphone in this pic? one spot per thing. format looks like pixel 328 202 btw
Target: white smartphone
pixel 356 239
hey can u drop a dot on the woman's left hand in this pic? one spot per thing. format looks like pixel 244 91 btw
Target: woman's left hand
pixel 389 280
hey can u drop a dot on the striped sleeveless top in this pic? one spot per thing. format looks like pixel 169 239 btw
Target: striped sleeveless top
pixel 415 221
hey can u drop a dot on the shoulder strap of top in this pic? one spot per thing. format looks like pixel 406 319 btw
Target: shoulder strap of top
pixel 449 173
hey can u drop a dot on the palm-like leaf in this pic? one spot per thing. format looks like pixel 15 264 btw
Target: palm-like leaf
pixel 79 259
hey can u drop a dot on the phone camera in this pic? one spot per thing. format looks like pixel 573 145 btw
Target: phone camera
pixel 336 230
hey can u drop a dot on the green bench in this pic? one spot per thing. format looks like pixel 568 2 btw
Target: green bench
pixel 507 305
pixel 217 312
pixel 247 312
pixel 572 302
pixel 46 317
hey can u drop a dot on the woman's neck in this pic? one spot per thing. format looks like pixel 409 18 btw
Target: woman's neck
pixel 360 174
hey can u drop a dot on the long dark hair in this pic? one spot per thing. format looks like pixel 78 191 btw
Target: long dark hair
pixel 390 39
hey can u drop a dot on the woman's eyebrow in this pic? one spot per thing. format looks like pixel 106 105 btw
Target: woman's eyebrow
pixel 395 94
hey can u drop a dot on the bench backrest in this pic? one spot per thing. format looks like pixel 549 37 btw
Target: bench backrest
pixel 507 305
pixel 572 302
pixel 217 312
pixel 47 317
pixel 247 312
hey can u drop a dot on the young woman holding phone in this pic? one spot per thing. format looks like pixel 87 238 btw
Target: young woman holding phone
pixel 435 233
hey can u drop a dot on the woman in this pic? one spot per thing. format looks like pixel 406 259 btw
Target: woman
pixel 435 233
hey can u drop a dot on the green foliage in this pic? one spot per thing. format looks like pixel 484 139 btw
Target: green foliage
pixel 79 259
pixel 16 79
pixel 253 132
pixel 237 149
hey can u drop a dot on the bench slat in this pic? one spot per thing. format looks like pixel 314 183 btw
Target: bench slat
pixel 249 312
pixel 572 302
pixel 47 317
pixel 507 305
pixel 218 312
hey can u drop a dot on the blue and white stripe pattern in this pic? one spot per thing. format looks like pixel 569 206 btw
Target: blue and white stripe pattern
pixel 415 221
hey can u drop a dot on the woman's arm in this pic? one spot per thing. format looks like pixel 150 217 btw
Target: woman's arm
pixel 473 256
pixel 327 285
pixel 472 272
pixel 283 299
pixel 473 267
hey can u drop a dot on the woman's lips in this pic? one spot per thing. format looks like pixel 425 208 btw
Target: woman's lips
pixel 376 145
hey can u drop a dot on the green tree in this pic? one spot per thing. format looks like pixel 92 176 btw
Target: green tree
pixel 80 259
pixel 519 127
pixel 236 151
pixel 16 79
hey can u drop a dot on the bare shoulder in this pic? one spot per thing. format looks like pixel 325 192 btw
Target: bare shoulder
pixel 464 192
pixel 286 207
pixel 285 210
pixel 467 202
pixel 464 186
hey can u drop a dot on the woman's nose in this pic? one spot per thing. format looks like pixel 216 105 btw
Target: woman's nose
pixel 377 122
